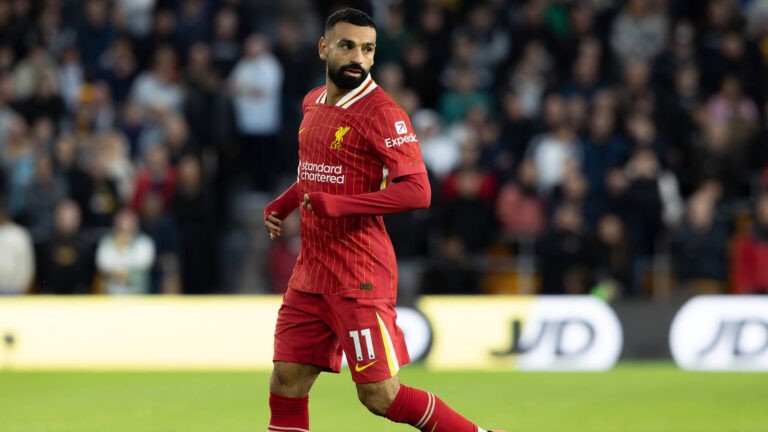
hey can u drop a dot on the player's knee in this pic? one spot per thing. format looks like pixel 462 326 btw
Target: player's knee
pixel 377 402
pixel 377 397
pixel 291 380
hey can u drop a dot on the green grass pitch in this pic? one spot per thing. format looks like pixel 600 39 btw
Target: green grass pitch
pixel 632 397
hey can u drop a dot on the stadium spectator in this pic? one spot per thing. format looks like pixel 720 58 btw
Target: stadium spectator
pixel 119 68
pixel 225 44
pixel 162 34
pixel 682 113
pixel 527 78
pixel 297 60
pixel 612 255
pixel 699 248
pixel 564 251
pixel 463 95
pixel 717 159
pixel 519 209
pixel 432 30
pixel 467 201
pixel 556 150
pixel 157 223
pixel 94 33
pixel 176 138
pixel 490 42
pixel 41 198
pixel 99 197
pixel 17 261
pixel 453 272
pixel 113 152
pixel 136 15
pixel 440 151
pixel 29 72
pixel 66 260
pixel 603 150
pixel 158 175
pixel 192 23
pixel 392 37
pixel 580 33
pixel 417 74
pixel 574 189
pixel 738 112
pixel 651 198
pixel 681 51
pixel 639 32
pixel 193 209
pixel 97 105
pixel 43 103
pixel 125 256
pixel 750 253
pixel 132 126
pixel 515 133
pixel 586 78
pixel 255 84
pixel 18 161
pixel 158 88
pixel 72 77
pixel 532 26
pixel 206 109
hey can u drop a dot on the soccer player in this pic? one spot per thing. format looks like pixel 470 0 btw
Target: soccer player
pixel 359 159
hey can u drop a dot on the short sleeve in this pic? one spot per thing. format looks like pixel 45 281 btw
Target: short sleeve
pixel 394 141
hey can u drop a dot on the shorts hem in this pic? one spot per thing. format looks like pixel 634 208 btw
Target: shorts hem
pixel 325 368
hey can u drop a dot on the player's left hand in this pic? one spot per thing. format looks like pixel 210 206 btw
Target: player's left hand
pixel 273 224
pixel 306 204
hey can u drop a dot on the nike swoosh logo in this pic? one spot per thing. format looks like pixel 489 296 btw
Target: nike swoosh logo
pixel 360 369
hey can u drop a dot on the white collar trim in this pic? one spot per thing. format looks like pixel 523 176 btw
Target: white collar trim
pixel 354 95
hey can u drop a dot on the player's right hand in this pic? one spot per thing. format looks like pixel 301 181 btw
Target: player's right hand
pixel 273 224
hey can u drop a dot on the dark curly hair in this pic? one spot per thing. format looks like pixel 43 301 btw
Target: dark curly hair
pixel 352 16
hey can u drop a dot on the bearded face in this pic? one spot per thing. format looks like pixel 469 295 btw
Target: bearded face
pixel 348 76
pixel 348 50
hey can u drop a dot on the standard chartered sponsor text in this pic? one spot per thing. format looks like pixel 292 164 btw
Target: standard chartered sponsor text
pixel 321 173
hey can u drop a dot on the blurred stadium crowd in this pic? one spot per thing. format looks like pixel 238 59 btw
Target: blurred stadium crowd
pixel 574 146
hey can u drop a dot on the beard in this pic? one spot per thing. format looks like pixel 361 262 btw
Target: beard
pixel 346 82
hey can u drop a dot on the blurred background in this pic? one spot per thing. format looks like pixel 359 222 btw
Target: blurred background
pixel 599 146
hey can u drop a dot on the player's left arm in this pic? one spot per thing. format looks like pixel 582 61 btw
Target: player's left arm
pixel 391 137
pixel 279 209
pixel 407 192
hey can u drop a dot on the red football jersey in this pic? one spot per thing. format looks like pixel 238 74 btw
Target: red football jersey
pixel 351 148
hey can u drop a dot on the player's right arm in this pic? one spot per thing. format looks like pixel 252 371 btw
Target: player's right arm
pixel 279 209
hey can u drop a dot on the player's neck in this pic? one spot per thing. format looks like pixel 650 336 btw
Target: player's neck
pixel 333 93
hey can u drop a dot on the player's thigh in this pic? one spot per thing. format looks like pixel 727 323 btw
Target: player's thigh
pixel 368 333
pixel 302 334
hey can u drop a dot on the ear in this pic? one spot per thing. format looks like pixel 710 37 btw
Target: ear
pixel 322 48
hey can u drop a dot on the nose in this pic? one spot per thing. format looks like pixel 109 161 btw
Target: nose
pixel 357 56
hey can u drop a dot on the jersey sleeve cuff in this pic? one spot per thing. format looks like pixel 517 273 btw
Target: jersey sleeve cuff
pixel 404 170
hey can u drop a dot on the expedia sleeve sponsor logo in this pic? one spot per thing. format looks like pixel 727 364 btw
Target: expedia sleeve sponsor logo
pixel 323 173
pixel 391 142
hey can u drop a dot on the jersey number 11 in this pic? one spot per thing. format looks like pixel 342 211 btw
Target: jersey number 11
pixel 355 335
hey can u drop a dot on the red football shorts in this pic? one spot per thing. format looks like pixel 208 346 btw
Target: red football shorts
pixel 315 328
